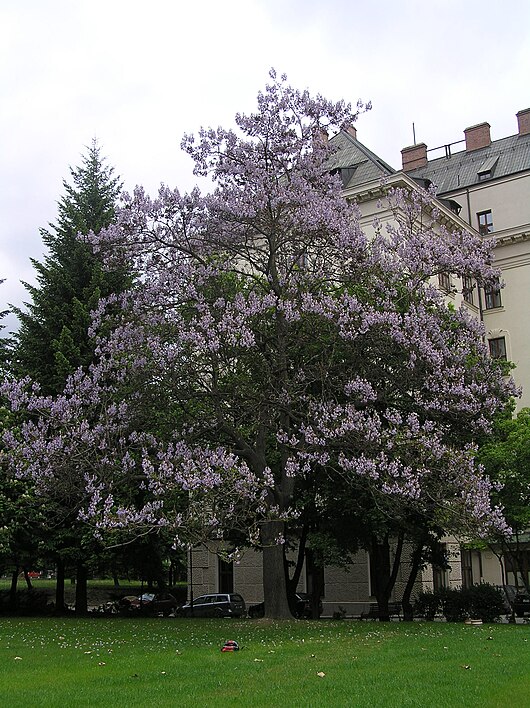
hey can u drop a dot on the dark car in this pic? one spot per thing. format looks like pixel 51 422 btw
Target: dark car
pixel 516 600
pixel 214 605
pixel 521 604
pixel 150 603
pixel 302 609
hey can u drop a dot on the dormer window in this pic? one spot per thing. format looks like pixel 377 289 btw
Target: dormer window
pixel 345 173
pixel 485 171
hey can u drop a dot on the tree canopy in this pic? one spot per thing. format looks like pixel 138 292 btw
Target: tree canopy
pixel 268 340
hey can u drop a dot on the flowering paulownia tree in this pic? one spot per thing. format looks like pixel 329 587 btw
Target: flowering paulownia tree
pixel 268 340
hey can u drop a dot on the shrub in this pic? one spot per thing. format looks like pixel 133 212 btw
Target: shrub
pixel 485 602
pixel 482 601
pixel 455 605
pixel 427 605
pixel 28 602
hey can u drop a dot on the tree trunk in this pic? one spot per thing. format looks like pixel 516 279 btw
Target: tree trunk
pixel 27 578
pixel 81 592
pixel 115 578
pixel 380 552
pixel 384 575
pixel 415 562
pixel 13 590
pixel 292 581
pixel 59 588
pixel 274 584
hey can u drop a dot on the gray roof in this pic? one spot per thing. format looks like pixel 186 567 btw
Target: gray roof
pixel 502 158
pixel 355 162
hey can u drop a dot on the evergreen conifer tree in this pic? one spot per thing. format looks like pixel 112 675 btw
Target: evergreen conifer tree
pixel 53 340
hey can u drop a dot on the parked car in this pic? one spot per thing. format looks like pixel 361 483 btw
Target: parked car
pixel 302 607
pixel 214 605
pixel 521 604
pixel 518 599
pixel 150 603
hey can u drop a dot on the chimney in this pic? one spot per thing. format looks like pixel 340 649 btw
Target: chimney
pixel 523 121
pixel 321 135
pixel 351 131
pixel 414 156
pixel 478 136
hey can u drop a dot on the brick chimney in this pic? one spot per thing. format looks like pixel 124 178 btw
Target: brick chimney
pixel 351 131
pixel 414 156
pixel 523 121
pixel 320 135
pixel 478 136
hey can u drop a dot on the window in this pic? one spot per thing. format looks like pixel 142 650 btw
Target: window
pixel 315 581
pixel 497 348
pixel 444 281
pixel 466 560
pixel 440 578
pixel 485 222
pixel 226 576
pixel 517 568
pixel 492 296
pixel 468 288
pixel 487 168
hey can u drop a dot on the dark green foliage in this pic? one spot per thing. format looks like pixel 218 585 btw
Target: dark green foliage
pixel 53 340
pixel 506 459
pixel 485 602
pixel 481 601
pixel 427 605
pixel 455 605
pixel 28 602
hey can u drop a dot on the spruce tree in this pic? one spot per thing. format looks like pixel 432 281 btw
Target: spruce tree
pixel 53 340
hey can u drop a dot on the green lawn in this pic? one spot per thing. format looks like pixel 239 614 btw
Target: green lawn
pixel 174 662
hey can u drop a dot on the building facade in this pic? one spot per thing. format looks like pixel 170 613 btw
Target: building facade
pixel 490 181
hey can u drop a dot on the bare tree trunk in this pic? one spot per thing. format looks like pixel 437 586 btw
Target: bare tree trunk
pixel 81 591
pixel 385 576
pixel 60 604
pixel 114 572
pixel 13 590
pixel 499 556
pixel 27 578
pixel 274 584
pixel 292 582
pixel 415 562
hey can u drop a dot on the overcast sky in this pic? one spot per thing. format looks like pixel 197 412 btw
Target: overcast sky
pixel 138 75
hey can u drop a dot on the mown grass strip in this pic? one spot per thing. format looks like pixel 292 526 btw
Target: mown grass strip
pixel 172 662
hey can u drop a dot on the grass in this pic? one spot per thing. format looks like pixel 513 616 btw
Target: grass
pixel 173 662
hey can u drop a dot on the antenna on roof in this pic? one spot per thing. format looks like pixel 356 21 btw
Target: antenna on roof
pixel 414 134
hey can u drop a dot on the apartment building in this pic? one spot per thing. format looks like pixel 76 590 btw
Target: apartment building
pixel 490 182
